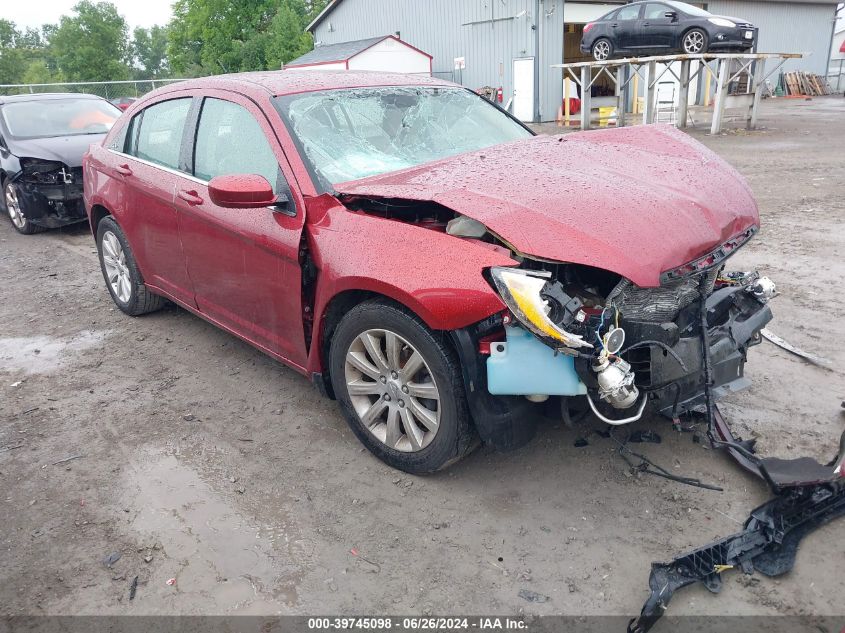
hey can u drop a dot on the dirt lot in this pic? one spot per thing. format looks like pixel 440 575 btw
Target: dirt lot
pixel 200 459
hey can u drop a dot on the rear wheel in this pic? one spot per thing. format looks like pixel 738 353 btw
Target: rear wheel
pixel 400 388
pixel 602 49
pixel 14 208
pixel 123 279
pixel 694 42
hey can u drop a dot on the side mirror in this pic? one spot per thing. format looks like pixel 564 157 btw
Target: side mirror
pixel 241 191
pixel 671 15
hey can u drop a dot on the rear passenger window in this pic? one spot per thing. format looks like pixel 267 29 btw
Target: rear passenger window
pixel 118 141
pixel 230 141
pixel 159 138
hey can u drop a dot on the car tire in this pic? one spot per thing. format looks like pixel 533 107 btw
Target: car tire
pixel 382 402
pixel 12 205
pixel 120 271
pixel 602 49
pixel 694 42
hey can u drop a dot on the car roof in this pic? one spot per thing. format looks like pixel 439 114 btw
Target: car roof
pixel 293 81
pixel 45 96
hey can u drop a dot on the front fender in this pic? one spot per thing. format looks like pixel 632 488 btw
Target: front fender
pixel 435 275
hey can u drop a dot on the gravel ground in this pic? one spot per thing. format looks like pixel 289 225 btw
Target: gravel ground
pixel 196 458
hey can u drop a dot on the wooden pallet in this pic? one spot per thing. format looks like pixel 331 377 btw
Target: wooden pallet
pixel 799 83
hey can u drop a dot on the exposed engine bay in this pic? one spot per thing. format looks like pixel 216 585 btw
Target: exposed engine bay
pixel 51 192
pixel 631 345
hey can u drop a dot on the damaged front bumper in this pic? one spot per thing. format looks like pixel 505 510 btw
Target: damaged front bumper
pixel 735 318
pixel 51 198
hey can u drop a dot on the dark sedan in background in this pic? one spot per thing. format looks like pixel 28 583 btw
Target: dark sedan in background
pixel 42 140
pixel 654 28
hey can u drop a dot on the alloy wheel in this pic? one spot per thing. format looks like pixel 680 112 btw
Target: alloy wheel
pixel 392 390
pixel 601 50
pixel 693 42
pixel 117 271
pixel 14 207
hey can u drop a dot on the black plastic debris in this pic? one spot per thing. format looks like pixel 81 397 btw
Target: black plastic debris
pixel 768 544
pixel 133 588
pixel 807 495
pixel 581 442
pixel 642 437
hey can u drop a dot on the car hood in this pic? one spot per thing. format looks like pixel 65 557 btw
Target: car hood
pixel 636 201
pixel 732 19
pixel 67 149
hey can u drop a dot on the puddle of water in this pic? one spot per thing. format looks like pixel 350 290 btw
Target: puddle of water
pixel 45 354
pixel 213 550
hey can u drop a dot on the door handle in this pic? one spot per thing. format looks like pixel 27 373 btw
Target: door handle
pixel 646 23
pixel 613 26
pixel 123 170
pixel 190 197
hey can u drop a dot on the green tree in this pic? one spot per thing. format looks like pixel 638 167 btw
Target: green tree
pixel 12 58
pixel 215 36
pixel 31 39
pixel 48 32
pixel 149 50
pixel 92 44
pixel 23 56
pixel 37 72
pixel 183 48
pixel 9 35
pixel 288 39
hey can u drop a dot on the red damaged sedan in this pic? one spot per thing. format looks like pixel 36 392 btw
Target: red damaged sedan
pixel 427 260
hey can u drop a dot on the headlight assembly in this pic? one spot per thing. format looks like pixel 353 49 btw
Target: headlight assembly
pixel 520 290
pixel 722 22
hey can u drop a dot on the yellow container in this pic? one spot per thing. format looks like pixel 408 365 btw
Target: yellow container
pixel 607 116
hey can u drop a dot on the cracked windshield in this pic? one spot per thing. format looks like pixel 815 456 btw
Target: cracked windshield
pixel 352 134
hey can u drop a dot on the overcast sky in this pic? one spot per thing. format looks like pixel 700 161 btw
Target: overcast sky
pixel 36 12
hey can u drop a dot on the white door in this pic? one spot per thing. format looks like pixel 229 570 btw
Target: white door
pixel 523 89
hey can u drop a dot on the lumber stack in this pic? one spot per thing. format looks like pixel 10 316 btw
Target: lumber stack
pixel 797 83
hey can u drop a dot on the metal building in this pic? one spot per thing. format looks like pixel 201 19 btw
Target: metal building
pixel 513 43
pixel 386 53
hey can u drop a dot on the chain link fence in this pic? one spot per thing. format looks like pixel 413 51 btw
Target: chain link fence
pixel 105 89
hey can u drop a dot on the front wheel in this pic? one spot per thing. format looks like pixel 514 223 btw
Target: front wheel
pixel 694 42
pixel 400 388
pixel 123 279
pixel 602 49
pixel 14 208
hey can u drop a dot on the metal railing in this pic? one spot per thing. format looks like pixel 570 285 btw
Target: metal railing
pixel 725 68
pixel 106 89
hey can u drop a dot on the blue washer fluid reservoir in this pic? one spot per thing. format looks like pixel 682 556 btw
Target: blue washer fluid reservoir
pixel 524 366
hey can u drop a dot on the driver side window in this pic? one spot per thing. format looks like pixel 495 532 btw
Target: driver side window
pixel 655 11
pixel 230 141
pixel 631 12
